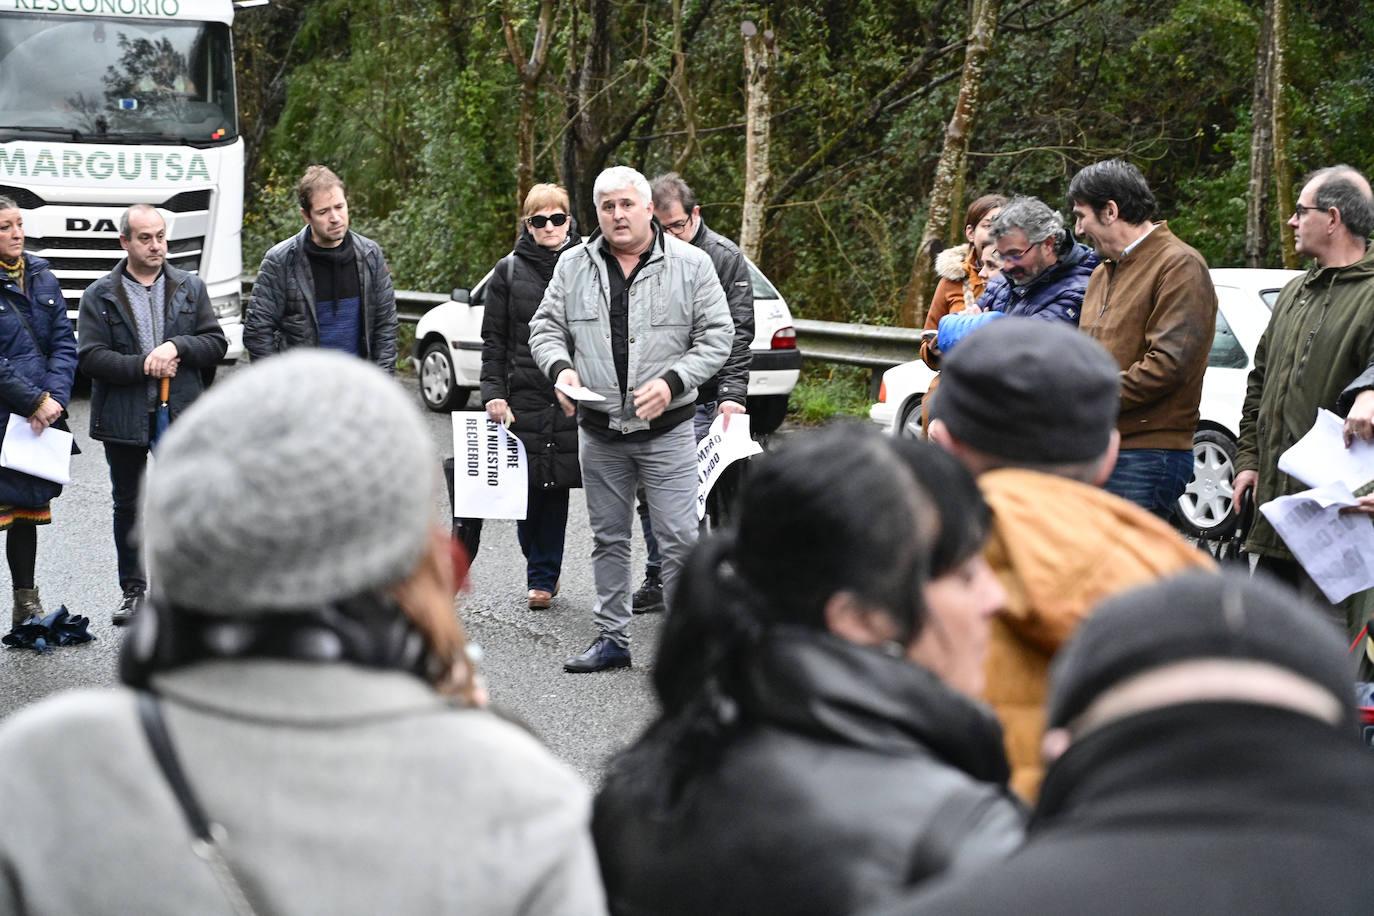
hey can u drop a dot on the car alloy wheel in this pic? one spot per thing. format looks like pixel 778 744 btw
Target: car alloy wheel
pixel 437 387
pixel 1205 506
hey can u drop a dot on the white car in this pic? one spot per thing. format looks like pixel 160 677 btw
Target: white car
pixel 448 352
pixel 1244 298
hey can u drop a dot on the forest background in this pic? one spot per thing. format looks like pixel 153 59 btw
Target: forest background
pixel 873 116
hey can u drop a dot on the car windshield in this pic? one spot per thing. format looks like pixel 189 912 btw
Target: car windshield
pixel 116 80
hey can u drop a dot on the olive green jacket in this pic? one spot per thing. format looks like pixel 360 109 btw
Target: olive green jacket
pixel 1318 351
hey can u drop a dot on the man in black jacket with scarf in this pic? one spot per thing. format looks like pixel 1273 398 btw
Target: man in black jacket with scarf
pixel 142 322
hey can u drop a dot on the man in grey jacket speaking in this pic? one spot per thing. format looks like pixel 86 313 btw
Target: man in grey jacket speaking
pixel 640 320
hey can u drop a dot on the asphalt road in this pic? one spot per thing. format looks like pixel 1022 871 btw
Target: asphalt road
pixel 583 718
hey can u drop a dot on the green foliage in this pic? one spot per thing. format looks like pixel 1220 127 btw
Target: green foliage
pixel 415 106
pixel 827 391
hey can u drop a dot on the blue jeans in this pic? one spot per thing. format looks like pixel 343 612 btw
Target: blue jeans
pixel 541 536
pixel 1152 478
pixel 540 532
pixel 653 563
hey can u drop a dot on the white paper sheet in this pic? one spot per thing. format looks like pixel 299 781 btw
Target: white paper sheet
pixel 48 455
pixel 1336 550
pixel 579 393
pixel 721 448
pixel 490 469
pixel 1321 457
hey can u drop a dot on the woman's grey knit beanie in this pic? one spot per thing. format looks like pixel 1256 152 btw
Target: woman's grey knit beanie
pixel 302 480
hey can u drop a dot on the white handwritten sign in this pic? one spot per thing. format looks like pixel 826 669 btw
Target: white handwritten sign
pixel 490 471
pixel 721 448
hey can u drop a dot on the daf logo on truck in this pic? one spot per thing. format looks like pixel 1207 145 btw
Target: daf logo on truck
pixel 85 225
pixel 130 165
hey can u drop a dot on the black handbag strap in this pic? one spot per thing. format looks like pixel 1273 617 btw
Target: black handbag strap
pixel 155 728
pixel 207 833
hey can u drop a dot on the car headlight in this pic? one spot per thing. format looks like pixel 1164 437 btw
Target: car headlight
pixel 230 306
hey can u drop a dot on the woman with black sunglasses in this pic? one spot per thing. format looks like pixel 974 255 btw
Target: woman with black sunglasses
pixel 517 393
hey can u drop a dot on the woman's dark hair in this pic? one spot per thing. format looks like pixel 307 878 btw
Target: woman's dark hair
pixel 840 510
pixel 982 207
pixel 964 516
pixel 1113 179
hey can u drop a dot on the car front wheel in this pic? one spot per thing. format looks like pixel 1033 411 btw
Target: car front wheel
pixel 438 389
pixel 1204 509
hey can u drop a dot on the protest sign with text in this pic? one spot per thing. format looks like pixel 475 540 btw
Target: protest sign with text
pixel 490 471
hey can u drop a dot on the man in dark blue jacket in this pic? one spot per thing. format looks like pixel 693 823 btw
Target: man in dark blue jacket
pixel 142 322
pixel 1044 271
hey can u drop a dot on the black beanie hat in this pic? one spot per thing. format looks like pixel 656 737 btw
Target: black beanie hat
pixel 1025 389
pixel 1193 616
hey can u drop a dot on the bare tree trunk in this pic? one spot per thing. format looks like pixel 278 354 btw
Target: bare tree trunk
pixel 1257 225
pixel 587 111
pixel 760 54
pixel 684 94
pixel 593 135
pixel 952 159
pixel 530 71
pixel 1283 169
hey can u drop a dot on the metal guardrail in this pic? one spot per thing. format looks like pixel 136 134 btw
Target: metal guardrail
pixel 822 341
pixel 856 344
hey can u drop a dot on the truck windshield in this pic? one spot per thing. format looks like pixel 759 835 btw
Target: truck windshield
pixel 116 80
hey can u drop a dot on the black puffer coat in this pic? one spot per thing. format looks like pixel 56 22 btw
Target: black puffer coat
pixel 509 371
pixel 1201 808
pixel 855 776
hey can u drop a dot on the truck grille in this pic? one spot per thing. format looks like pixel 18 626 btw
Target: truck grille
pixel 78 260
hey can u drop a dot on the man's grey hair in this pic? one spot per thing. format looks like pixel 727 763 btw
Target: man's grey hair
pixel 1347 190
pixel 618 178
pixel 136 208
pixel 1032 216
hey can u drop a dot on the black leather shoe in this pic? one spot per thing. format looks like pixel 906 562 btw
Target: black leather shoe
pixel 649 598
pixel 129 607
pixel 600 656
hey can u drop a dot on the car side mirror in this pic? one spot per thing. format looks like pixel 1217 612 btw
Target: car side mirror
pixel 461 295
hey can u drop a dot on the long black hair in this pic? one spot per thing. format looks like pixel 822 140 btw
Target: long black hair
pixel 844 509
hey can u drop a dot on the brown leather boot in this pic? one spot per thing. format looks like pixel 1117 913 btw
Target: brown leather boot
pixel 26 605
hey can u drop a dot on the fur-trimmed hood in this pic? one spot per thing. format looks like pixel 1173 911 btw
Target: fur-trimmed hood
pixel 950 263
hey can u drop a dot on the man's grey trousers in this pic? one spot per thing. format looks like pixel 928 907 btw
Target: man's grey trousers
pixel 665 465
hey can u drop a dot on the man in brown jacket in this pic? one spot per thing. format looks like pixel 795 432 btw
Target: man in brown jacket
pixel 1030 407
pixel 1152 305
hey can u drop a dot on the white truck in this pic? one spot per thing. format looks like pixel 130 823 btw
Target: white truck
pixel 107 103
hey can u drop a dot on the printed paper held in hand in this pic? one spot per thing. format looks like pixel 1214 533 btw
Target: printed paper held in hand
pixel 579 393
pixel 1336 550
pixel 1320 457
pixel 721 448
pixel 48 455
pixel 490 470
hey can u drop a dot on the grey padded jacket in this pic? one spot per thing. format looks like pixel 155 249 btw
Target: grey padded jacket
pixel 678 322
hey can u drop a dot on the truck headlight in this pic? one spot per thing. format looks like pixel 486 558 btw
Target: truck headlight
pixel 230 306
